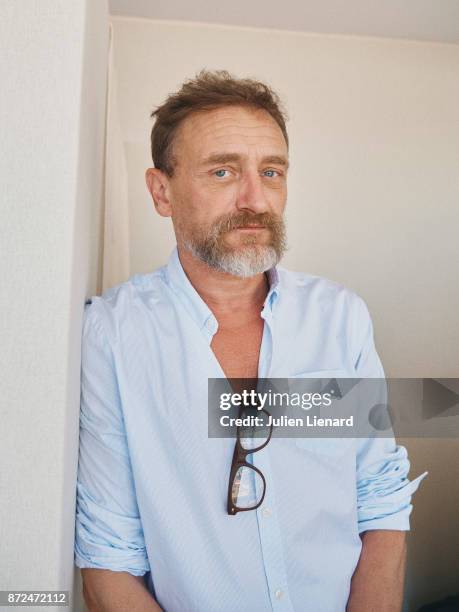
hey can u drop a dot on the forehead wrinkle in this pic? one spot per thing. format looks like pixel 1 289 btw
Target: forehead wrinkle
pixel 232 122
pixel 249 132
pixel 215 122
pixel 223 127
pixel 237 136
pixel 241 139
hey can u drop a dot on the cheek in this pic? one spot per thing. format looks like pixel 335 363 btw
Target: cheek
pixel 184 202
pixel 201 203
pixel 277 198
pixel 213 201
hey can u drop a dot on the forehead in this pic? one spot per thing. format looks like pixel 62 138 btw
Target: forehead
pixel 232 129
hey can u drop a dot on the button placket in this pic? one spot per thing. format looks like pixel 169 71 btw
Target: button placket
pixel 268 526
pixel 271 540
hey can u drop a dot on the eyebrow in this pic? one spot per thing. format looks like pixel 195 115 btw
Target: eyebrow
pixel 224 158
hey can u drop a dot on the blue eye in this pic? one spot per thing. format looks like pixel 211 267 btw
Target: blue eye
pixel 270 173
pixel 220 173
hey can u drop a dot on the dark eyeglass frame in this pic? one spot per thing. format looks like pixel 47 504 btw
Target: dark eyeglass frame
pixel 239 460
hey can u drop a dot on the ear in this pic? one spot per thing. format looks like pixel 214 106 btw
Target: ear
pixel 158 186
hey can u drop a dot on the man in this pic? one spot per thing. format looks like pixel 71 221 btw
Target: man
pixel 153 528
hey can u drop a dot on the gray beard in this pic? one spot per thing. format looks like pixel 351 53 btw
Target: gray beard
pixel 247 261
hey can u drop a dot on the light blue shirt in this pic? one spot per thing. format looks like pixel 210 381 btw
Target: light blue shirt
pixel 152 486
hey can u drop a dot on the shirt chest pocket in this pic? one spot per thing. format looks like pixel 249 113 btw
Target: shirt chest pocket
pixel 330 447
pixel 318 443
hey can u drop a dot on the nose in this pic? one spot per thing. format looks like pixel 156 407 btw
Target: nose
pixel 252 195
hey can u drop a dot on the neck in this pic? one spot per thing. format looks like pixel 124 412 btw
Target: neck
pixel 224 292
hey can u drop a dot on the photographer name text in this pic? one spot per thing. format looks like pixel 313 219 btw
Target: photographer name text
pixel 284 421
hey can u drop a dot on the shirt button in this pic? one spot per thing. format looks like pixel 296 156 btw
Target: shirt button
pixel 278 594
pixel 267 512
pixel 211 325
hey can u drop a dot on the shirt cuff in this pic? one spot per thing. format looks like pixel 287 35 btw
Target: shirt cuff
pixel 384 495
pixel 98 545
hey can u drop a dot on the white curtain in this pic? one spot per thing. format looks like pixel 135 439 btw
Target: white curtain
pixel 115 268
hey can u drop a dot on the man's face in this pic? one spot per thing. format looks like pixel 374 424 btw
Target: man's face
pixel 229 189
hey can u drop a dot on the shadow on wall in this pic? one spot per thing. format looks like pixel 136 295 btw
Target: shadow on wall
pixel 433 542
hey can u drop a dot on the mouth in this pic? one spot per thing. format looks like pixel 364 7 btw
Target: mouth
pixel 251 228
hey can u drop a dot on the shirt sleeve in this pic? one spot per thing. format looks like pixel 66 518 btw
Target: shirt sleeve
pixel 108 532
pixel 383 489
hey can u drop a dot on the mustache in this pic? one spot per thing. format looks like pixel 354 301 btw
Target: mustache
pixel 228 223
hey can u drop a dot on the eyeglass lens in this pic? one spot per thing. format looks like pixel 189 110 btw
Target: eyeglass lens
pixel 247 489
pixel 253 436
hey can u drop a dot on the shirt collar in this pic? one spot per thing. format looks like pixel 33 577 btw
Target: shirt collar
pixel 274 285
pixel 180 283
pixel 201 313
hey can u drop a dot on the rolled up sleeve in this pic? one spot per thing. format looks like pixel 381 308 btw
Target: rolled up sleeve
pixel 383 489
pixel 108 532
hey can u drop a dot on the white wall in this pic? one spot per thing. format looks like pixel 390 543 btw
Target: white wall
pixel 373 199
pixel 53 69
